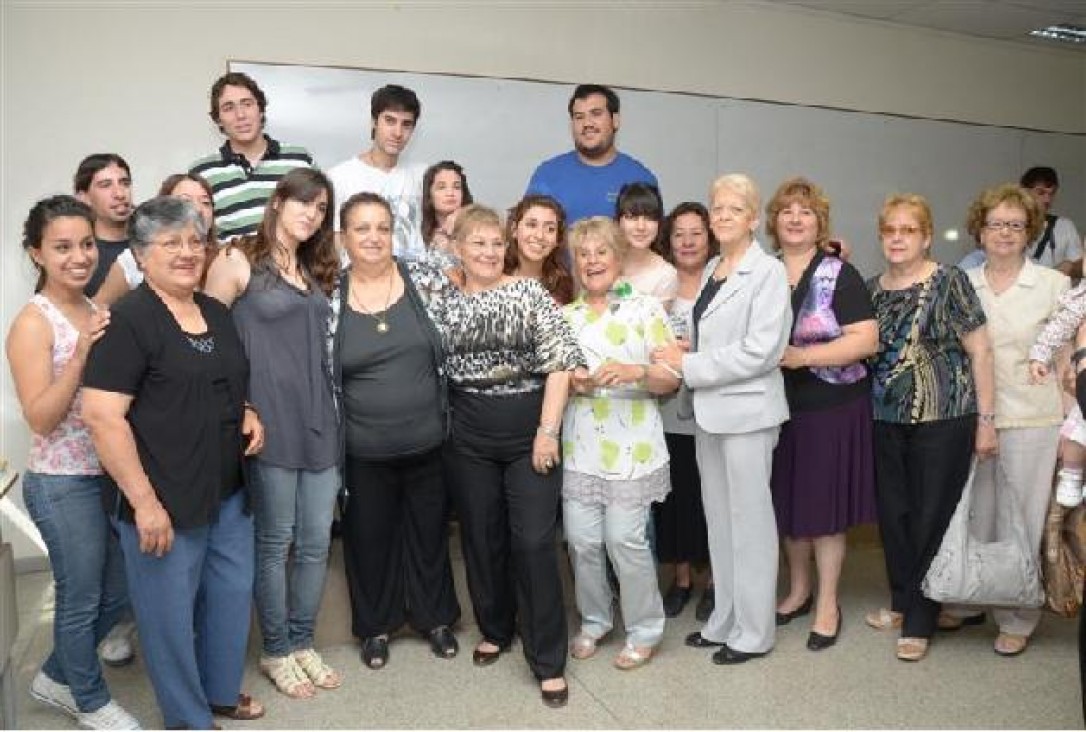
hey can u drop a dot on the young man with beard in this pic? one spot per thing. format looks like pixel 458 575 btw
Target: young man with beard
pixel 394 112
pixel 103 181
pixel 586 180
pixel 243 172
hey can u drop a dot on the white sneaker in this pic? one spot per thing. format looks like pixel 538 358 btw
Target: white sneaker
pixel 117 649
pixel 55 694
pixel 1069 488
pixel 111 716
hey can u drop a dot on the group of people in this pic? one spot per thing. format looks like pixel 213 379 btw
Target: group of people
pixel 209 375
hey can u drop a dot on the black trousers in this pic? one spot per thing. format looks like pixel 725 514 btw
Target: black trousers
pixel 681 535
pixel 920 470
pixel 508 517
pixel 396 545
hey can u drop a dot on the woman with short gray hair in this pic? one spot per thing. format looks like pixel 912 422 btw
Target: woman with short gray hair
pixel 164 398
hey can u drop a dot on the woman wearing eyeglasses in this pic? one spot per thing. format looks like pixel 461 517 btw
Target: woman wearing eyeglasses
pixel 1018 297
pixel 934 404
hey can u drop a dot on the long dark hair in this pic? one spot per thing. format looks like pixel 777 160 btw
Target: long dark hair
pixel 556 277
pixel 317 254
pixel 642 199
pixel 429 215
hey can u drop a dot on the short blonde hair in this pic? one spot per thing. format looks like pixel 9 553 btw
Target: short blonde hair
pixel 476 216
pixel 916 202
pixel 741 185
pixel 805 193
pixel 602 229
pixel 1011 195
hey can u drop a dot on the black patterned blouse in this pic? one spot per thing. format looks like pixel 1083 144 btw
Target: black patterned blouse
pixel 922 372
pixel 504 340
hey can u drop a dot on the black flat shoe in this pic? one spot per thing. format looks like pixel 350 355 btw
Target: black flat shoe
pixel 485 658
pixel 799 612
pixel 697 640
pixel 818 642
pixel 375 652
pixel 727 656
pixel 556 698
pixel 706 605
pixel 675 601
pixel 442 642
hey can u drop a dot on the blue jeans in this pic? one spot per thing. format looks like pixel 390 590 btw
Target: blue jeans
pixel 193 606
pixel 292 508
pixel 89 577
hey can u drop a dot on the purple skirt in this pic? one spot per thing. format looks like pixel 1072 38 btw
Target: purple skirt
pixel 824 471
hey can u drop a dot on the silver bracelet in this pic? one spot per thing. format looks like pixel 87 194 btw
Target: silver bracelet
pixel 986 418
pixel 667 367
pixel 551 432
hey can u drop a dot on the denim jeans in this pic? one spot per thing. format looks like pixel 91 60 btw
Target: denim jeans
pixel 88 573
pixel 292 508
pixel 193 610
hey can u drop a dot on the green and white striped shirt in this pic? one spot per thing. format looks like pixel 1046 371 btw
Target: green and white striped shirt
pixel 241 190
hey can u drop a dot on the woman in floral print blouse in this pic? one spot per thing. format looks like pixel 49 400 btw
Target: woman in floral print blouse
pixel 616 461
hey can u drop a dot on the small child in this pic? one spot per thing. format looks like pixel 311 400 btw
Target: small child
pixel 1059 329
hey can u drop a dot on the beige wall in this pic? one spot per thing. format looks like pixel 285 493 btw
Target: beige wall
pixel 103 76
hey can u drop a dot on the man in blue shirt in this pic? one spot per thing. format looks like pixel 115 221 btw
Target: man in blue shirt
pixel 587 179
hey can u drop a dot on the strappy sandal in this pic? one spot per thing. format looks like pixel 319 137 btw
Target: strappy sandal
pixel 246 710
pixel 288 676
pixel 631 657
pixel 1010 644
pixel 883 619
pixel 320 673
pixel 911 649
pixel 583 646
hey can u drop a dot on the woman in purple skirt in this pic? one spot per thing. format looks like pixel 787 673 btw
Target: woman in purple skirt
pixel 823 467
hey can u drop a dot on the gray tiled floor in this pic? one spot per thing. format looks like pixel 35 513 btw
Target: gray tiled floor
pixel 857 684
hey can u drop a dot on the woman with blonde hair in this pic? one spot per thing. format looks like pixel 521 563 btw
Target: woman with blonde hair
pixel 732 383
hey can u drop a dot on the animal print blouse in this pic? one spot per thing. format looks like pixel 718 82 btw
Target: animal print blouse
pixel 504 340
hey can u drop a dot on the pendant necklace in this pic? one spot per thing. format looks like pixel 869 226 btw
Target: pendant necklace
pixel 381 317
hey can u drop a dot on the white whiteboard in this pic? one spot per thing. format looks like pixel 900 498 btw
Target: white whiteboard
pixel 500 129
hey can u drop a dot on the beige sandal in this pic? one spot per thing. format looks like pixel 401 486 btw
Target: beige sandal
pixel 288 676
pixel 883 619
pixel 911 649
pixel 631 657
pixel 320 673
pixel 1010 644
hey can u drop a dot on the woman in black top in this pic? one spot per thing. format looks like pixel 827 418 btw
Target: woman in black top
pixel 164 400
pixel 824 463
pixel 387 362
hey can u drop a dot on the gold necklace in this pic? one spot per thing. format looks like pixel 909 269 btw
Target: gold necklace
pixel 382 316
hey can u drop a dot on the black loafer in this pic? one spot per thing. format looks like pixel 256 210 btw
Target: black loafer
pixel 485 658
pixel 706 605
pixel 443 643
pixel 675 601
pixel 799 612
pixel 557 698
pixel 375 652
pixel 818 642
pixel 727 656
pixel 697 640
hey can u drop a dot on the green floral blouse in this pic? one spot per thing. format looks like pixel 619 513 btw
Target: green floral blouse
pixel 618 436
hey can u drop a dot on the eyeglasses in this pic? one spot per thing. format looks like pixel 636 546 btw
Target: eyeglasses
pixel 995 226
pixel 174 246
pixel 902 230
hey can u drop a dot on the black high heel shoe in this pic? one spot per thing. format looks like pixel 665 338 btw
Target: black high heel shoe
pixel 799 612
pixel 818 642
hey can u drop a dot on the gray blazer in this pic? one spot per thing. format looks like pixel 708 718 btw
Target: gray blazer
pixel 732 383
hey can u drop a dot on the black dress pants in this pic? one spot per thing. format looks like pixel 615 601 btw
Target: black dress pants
pixel 508 517
pixel 920 470
pixel 396 545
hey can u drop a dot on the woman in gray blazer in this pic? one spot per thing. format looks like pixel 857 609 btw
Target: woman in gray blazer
pixel 732 382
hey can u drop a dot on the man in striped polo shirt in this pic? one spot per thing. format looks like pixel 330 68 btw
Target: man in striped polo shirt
pixel 244 171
